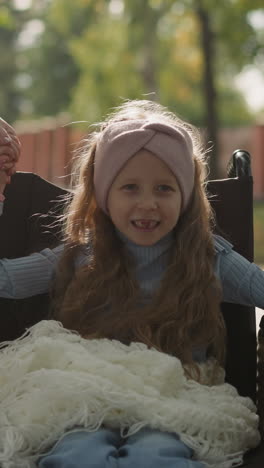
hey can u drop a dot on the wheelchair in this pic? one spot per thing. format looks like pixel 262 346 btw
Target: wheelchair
pixel 27 225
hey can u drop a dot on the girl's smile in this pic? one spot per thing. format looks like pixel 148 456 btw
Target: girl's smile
pixel 146 225
pixel 144 201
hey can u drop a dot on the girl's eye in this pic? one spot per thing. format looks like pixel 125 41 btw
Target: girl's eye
pixel 129 187
pixel 165 188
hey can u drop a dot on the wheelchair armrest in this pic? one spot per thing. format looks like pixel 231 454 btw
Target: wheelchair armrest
pixel 239 164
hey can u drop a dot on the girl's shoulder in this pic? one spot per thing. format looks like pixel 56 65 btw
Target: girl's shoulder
pixel 221 244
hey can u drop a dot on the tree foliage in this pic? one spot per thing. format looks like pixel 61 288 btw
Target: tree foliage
pixel 183 53
pixel 10 24
pixel 93 53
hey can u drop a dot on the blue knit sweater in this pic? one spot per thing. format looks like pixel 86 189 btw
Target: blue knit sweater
pixel 242 281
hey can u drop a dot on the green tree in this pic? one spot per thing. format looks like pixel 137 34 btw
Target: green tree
pixel 228 39
pixel 53 73
pixel 49 62
pixel 107 72
pixel 183 53
pixel 10 24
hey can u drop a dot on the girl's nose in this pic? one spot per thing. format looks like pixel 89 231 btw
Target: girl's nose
pixel 147 203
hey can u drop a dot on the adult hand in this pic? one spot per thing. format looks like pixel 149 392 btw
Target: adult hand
pixel 9 152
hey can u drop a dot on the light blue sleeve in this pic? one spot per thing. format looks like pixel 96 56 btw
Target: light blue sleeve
pixel 242 281
pixel 28 276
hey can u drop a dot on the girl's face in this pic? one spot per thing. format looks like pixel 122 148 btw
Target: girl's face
pixel 144 201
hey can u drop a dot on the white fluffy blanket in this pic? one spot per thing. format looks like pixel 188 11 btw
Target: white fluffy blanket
pixel 52 380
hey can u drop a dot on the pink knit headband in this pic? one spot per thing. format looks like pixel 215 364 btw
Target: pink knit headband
pixel 122 140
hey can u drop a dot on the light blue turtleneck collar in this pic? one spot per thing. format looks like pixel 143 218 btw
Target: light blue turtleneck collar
pixel 150 261
pixel 162 244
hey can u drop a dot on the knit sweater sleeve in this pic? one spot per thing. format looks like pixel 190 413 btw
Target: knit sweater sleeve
pixel 242 281
pixel 28 276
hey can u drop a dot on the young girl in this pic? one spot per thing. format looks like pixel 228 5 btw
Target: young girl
pixel 139 264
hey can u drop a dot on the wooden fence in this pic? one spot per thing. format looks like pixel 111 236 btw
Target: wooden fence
pixel 50 152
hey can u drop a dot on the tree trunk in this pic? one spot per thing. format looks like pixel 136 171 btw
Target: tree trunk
pixel 210 94
pixel 149 72
pixel 149 49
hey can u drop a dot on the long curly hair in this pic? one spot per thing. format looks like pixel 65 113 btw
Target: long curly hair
pixel 101 298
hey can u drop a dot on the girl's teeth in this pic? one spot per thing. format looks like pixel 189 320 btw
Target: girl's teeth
pixel 146 224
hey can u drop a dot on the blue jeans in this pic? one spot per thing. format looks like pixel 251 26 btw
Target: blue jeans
pixel 105 448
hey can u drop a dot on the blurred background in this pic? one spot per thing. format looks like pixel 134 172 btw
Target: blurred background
pixel 64 64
